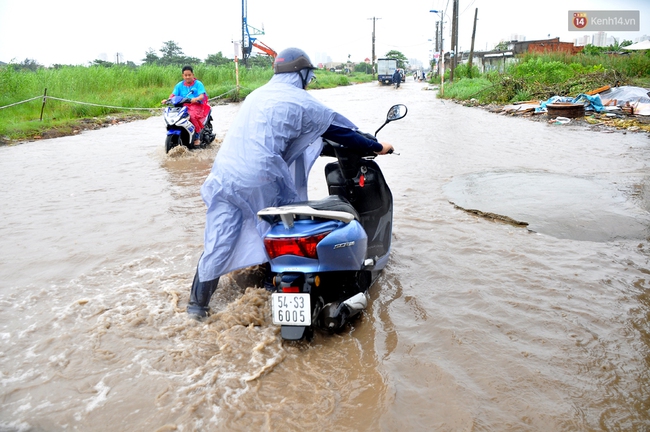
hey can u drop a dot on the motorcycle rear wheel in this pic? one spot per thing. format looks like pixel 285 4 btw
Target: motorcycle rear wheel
pixel 207 136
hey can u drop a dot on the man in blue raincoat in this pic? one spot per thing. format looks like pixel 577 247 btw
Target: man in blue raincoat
pixel 397 77
pixel 264 161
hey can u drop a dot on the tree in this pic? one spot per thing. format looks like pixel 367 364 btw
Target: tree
pixel 151 57
pixel 590 49
pixel 173 55
pixel 596 50
pixel 171 50
pixel 217 59
pixel 615 46
pixel 103 63
pixel 402 61
pixel 262 60
pixel 28 64
pixel 185 60
pixel 363 67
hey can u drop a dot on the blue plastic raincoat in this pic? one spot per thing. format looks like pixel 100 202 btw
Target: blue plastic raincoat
pixel 263 161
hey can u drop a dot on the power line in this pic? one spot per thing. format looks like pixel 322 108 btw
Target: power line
pixel 468 6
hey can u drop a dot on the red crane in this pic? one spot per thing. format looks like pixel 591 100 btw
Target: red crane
pixel 264 47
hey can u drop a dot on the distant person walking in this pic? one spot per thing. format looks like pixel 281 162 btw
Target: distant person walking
pixel 397 78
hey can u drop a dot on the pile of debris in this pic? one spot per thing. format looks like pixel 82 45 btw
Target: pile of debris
pixel 624 107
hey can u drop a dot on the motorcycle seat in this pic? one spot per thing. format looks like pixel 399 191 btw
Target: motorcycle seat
pixel 333 203
pixel 333 207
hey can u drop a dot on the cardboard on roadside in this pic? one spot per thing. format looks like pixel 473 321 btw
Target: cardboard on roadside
pixel 598 90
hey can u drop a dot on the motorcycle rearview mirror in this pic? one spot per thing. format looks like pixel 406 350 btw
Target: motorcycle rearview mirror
pixel 396 112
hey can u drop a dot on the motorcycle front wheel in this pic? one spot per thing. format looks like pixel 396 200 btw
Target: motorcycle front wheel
pixel 171 142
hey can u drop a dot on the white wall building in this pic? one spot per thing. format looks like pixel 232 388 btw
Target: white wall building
pixel 582 40
pixel 599 39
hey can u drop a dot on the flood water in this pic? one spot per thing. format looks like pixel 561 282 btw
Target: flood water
pixel 478 324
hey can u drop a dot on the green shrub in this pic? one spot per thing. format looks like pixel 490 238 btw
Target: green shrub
pixel 540 76
pixel 545 72
pixel 468 88
pixel 462 71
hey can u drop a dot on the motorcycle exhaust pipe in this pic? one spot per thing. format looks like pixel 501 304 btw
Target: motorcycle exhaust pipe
pixel 336 315
pixel 357 303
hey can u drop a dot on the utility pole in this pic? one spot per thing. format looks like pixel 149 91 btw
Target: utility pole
pixel 372 60
pixel 437 37
pixel 471 50
pixel 454 39
pixel 441 60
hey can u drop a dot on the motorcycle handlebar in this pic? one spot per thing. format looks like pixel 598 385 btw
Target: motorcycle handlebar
pixel 179 103
pixel 374 138
pixel 330 148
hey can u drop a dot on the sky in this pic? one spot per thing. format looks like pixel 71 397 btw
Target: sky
pixel 80 31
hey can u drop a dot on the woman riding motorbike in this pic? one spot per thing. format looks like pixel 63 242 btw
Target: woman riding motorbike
pixel 198 109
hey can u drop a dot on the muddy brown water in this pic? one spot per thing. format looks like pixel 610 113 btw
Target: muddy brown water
pixel 476 324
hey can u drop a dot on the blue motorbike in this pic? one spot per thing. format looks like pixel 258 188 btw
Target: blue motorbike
pixel 325 255
pixel 180 130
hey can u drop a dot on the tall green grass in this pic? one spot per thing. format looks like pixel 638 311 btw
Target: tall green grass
pixel 118 86
pixel 540 76
pixel 470 88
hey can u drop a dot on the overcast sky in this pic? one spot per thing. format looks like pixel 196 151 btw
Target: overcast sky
pixel 80 31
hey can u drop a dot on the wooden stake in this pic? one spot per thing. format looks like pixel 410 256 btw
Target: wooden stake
pixel 44 99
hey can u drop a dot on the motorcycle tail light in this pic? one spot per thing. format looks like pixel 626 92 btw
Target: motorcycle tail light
pixel 299 246
pixel 291 289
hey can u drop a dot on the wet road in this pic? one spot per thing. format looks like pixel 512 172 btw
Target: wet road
pixel 477 324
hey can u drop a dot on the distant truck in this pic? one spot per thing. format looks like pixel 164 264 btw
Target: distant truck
pixel 385 69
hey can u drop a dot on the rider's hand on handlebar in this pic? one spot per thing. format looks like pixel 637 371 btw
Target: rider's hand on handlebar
pixel 387 148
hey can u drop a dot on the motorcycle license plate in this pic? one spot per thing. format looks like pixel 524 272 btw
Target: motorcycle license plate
pixel 291 309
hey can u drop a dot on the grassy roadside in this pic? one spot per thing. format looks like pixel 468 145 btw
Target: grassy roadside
pixel 115 94
pixel 539 77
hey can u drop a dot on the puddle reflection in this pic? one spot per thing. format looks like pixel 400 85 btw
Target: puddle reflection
pixel 558 205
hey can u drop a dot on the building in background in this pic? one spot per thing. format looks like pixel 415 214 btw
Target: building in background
pixel 600 39
pixel 499 59
pixel 582 40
